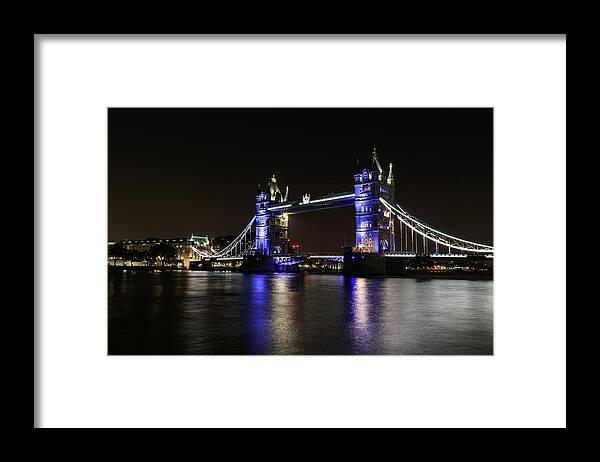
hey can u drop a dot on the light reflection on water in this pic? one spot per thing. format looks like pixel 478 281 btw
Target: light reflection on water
pixel 285 313
pixel 361 303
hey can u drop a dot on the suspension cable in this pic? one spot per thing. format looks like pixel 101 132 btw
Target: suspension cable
pixel 236 241
pixel 434 235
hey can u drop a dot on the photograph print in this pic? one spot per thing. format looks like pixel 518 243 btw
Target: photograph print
pixel 300 231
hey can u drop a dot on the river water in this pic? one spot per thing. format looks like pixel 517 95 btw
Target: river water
pixel 216 313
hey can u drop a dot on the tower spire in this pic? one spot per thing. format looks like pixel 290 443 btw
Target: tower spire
pixel 390 178
pixel 273 188
pixel 376 163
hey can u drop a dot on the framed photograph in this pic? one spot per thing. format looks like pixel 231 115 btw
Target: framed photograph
pixel 266 229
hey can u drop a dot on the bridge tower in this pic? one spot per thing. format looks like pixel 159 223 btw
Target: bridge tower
pixel 271 225
pixel 374 224
pixel 262 222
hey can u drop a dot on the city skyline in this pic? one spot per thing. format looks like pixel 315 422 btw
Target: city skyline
pixel 174 172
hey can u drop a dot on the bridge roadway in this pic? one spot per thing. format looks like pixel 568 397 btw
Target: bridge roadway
pixel 343 199
pixel 295 258
pixel 284 258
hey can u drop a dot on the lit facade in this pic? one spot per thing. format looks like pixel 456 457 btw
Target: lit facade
pixel 374 224
pixel 182 246
pixel 271 226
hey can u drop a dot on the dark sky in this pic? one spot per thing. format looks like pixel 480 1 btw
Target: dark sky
pixel 174 172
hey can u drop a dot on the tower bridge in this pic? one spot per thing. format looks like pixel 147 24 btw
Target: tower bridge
pixel 383 228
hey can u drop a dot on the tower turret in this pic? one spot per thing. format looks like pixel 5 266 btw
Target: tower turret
pixel 391 185
pixel 377 165
pixel 273 188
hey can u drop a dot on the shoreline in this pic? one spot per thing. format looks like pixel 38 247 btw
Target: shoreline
pixel 423 276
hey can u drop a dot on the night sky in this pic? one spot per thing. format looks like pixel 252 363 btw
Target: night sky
pixel 174 172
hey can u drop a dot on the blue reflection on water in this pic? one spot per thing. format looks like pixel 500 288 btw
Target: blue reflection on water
pixel 361 304
pixel 259 335
pixel 287 313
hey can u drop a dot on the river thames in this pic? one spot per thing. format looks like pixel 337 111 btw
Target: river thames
pixel 217 313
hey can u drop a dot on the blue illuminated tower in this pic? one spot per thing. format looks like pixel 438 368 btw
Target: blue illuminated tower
pixel 271 225
pixel 262 222
pixel 374 225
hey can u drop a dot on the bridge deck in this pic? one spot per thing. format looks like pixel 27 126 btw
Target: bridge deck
pixel 343 199
pixel 339 257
